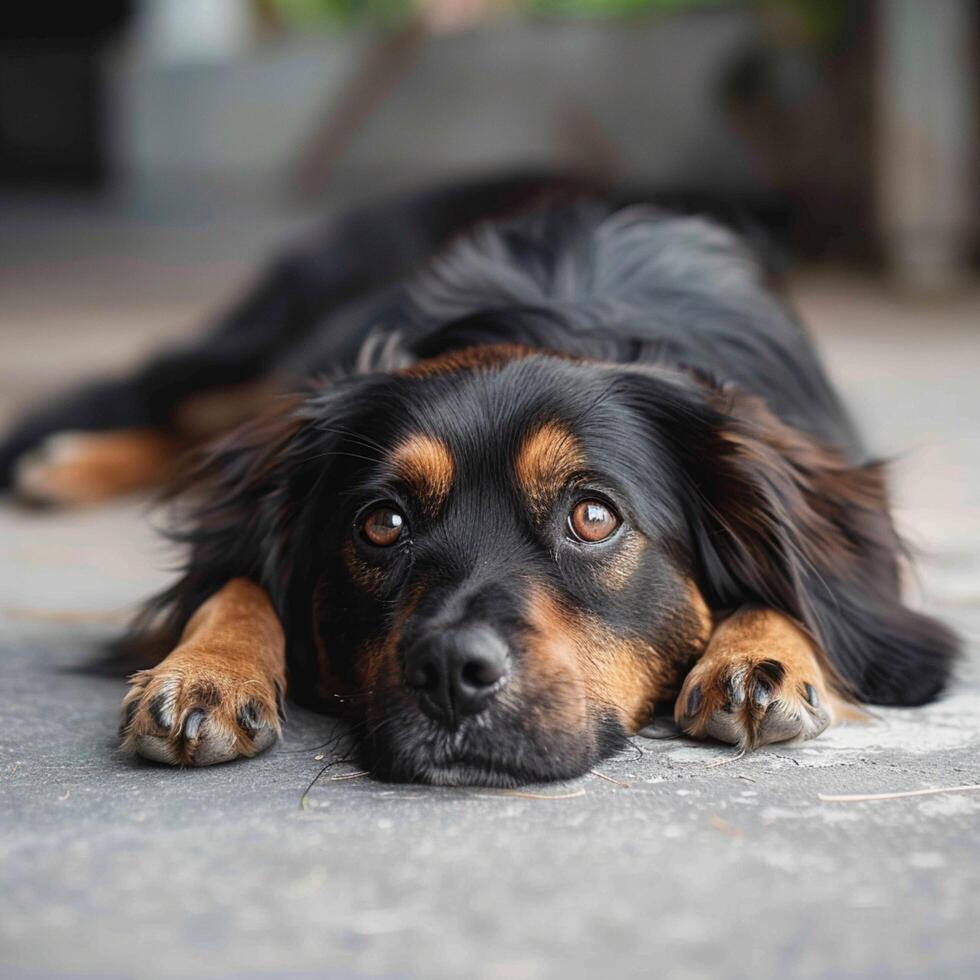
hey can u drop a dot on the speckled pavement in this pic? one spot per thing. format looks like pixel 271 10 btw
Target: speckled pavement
pixel 685 862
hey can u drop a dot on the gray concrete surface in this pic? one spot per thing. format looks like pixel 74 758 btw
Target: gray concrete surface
pixel 681 867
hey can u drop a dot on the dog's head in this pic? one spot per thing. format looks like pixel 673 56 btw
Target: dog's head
pixel 501 559
pixel 503 581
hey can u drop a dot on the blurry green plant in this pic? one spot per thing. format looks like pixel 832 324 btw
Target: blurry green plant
pixel 818 20
pixel 616 8
pixel 315 12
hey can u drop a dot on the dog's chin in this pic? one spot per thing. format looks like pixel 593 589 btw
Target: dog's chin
pixel 490 774
pixel 421 755
pixel 464 774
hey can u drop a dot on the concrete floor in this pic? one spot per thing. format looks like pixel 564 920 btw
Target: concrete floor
pixel 679 867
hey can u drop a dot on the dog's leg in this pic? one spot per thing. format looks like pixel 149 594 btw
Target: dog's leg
pixel 218 695
pixel 354 255
pixel 759 680
pixel 86 467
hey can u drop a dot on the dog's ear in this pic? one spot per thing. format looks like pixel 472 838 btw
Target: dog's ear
pixel 241 508
pixel 780 519
pixel 778 507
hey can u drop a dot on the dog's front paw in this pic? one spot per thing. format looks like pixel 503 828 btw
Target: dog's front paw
pixel 189 711
pixel 752 702
pixel 758 681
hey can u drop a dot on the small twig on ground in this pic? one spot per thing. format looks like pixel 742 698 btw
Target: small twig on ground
pixel 724 826
pixel 725 762
pixel 863 797
pixel 609 779
pixel 347 775
pixel 524 795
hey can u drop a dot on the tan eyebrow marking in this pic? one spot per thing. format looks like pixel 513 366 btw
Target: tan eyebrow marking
pixel 426 465
pixel 547 459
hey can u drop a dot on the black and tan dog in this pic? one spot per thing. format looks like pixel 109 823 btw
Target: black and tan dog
pixel 567 458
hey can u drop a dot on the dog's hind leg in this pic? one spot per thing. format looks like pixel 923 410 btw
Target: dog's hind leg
pixel 86 467
pixel 78 467
pixel 164 396
pixel 218 695
pixel 352 258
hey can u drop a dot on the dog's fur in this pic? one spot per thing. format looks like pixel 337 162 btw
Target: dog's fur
pixel 487 357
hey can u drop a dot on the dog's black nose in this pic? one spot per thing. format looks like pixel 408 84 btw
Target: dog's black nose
pixel 457 672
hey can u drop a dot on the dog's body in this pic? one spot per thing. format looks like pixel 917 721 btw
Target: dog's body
pixel 562 466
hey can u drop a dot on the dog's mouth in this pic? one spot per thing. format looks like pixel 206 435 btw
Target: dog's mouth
pixel 500 757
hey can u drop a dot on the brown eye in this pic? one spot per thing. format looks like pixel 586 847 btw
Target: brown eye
pixel 383 526
pixel 592 521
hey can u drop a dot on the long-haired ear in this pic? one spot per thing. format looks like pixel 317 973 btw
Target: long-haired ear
pixel 779 518
pixel 781 507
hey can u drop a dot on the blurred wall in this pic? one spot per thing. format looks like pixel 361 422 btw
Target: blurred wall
pixel 847 127
pixel 510 93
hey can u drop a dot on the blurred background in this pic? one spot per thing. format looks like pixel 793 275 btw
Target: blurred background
pixel 846 126
pixel 153 154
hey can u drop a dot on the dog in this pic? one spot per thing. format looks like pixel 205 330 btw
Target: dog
pixel 566 459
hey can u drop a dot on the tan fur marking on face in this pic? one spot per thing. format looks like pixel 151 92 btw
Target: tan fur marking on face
pixel 426 465
pixel 625 674
pixel 622 565
pixel 547 459
pixel 628 674
pixel 685 629
pixel 377 668
pixel 368 578
pixel 552 667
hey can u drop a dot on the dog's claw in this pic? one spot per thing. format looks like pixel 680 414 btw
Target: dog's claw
pixel 694 699
pixel 734 693
pixel 193 722
pixel 761 694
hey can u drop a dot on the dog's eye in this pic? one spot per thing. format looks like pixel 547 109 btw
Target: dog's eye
pixel 592 520
pixel 383 526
